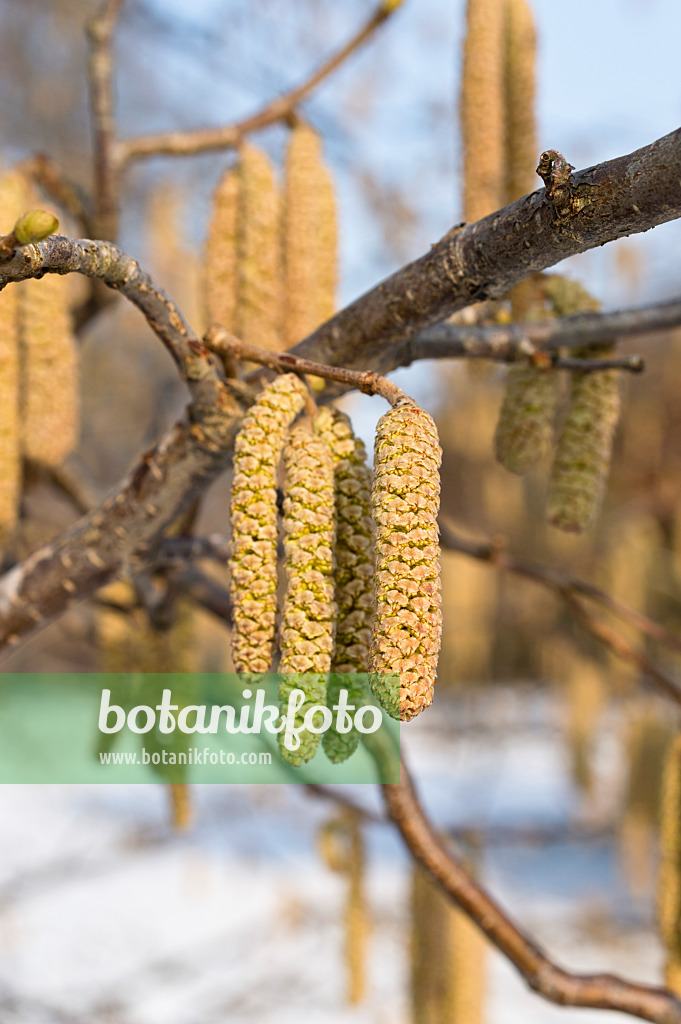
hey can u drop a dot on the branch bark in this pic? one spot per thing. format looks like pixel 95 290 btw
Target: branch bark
pixel 280 109
pixel 599 991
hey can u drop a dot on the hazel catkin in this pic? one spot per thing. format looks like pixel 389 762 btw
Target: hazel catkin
pixel 525 426
pixel 253 564
pixel 582 460
pixel 405 498
pixel 307 628
pixel 669 879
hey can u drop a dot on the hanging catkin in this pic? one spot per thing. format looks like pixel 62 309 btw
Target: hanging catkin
pixel 258 313
pixel 310 236
pixel 519 94
pixel 253 564
pixel 307 629
pixel 582 460
pixel 49 412
pixel 354 572
pixel 405 499
pixel 221 253
pixel 669 878
pixel 12 200
pixel 481 109
pixel 525 425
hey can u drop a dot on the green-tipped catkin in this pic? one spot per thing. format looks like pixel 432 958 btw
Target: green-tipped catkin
pixel 50 399
pixel 519 93
pixel 253 564
pixel 354 571
pixel 258 315
pixel 669 878
pixel 568 297
pixel 525 425
pixel 12 200
pixel 307 628
pixel 482 109
pixel 310 236
pixel 582 460
pixel 405 499
pixel 221 252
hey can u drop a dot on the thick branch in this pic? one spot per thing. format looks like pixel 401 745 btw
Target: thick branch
pixel 279 109
pixel 106 157
pixel 600 991
pixel 484 260
pixel 61 255
pixel 571 589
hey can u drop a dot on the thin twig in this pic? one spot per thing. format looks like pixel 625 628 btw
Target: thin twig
pixel 508 342
pixel 570 588
pixel 219 340
pixel 185 143
pixel 599 991
pixel 100 32
pixel 47 174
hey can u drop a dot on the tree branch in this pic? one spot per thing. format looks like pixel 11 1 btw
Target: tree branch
pixel 46 173
pixel 485 260
pixel 599 991
pixel 100 32
pixel 104 261
pixel 508 342
pixel 570 588
pixel 185 143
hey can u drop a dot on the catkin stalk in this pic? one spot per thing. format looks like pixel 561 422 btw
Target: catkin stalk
pixel 253 564
pixel 405 498
pixel 310 236
pixel 307 630
pixel 582 460
pixel 482 110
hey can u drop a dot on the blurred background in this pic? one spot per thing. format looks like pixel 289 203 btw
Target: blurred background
pixel 544 752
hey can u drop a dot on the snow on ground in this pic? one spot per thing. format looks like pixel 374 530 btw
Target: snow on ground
pixel 106 917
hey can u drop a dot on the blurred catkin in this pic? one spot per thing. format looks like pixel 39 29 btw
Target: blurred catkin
pixel 310 236
pixel 669 878
pixel 12 201
pixel 482 109
pixel 221 253
pixel 405 499
pixel 448 959
pixel 307 629
pixel 253 564
pixel 525 427
pixel 584 451
pixel 519 93
pixel 50 400
pixel 258 313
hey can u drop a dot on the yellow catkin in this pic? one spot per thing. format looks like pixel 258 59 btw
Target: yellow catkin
pixel 525 427
pixel 49 408
pixel 669 878
pixel 253 564
pixel 405 499
pixel 448 959
pixel 258 314
pixel 310 236
pixel 481 109
pixel 341 845
pixel 519 94
pixel 354 571
pixel 12 201
pixel 583 454
pixel 221 253
pixel 585 699
pixel 307 629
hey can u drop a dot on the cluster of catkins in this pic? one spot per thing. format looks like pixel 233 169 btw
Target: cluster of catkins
pixel 361 558
pixel 38 366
